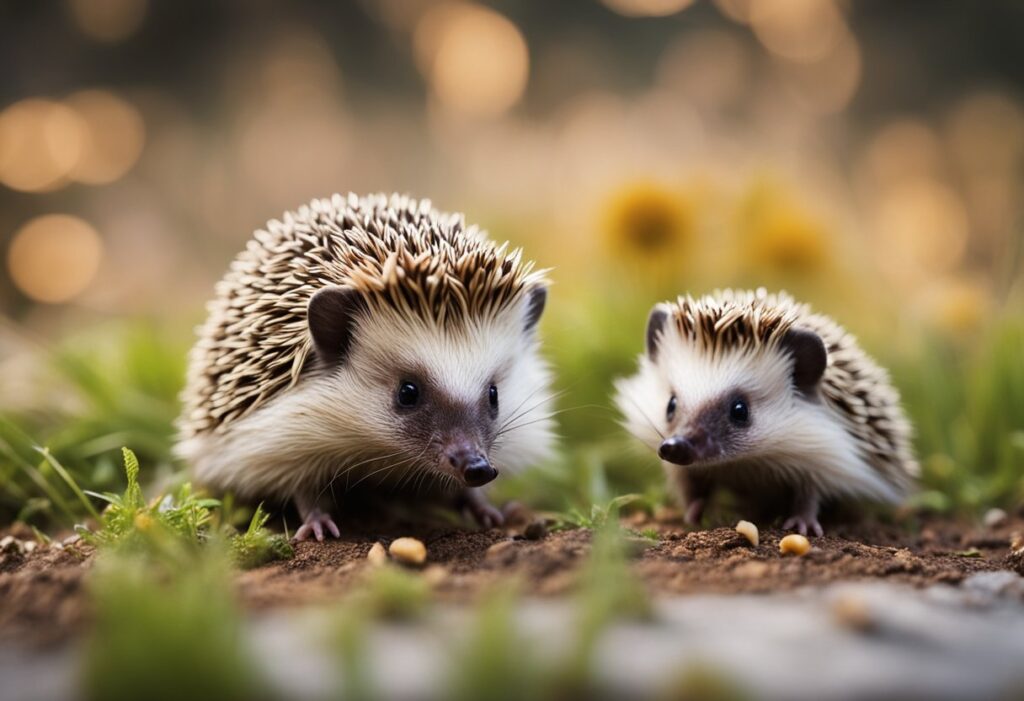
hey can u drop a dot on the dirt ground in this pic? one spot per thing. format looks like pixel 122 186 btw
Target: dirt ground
pixel 43 597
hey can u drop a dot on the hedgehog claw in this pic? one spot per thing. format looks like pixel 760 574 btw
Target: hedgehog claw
pixel 694 511
pixel 803 524
pixel 314 523
pixel 482 511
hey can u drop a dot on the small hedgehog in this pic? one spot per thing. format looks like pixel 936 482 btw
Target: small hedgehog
pixel 368 340
pixel 754 392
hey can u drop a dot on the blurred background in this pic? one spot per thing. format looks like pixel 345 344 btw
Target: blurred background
pixel 867 156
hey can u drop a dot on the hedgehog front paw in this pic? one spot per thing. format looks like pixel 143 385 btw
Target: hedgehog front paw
pixel 803 524
pixel 314 523
pixel 694 512
pixel 483 512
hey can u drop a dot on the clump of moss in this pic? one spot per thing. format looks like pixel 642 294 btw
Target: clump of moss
pixel 258 546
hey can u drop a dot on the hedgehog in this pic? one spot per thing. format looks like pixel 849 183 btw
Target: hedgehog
pixel 755 393
pixel 372 341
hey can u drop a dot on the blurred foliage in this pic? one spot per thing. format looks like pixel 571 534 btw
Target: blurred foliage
pixel 498 661
pixel 393 593
pixel 97 392
pixel 967 404
pixel 167 629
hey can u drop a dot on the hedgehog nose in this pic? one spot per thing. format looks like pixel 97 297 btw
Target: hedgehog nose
pixel 678 450
pixel 475 468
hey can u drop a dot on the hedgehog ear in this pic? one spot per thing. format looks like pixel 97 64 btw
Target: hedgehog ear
pixel 809 358
pixel 331 314
pixel 538 297
pixel 655 326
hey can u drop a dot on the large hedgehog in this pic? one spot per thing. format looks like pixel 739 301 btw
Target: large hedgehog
pixel 754 392
pixel 369 341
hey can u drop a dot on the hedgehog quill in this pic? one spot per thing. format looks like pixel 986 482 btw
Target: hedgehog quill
pixel 755 393
pixel 371 341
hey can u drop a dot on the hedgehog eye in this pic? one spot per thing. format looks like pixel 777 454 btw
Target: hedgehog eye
pixel 739 412
pixel 492 397
pixel 670 413
pixel 408 395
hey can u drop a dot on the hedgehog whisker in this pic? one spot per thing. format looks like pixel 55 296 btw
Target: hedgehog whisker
pixel 526 399
pixel 348 469
pixel 412 474
pixel 525 412
pixel 549 415
pixel 516 413
pixel 411 459
pixel 382 469
pixel 646 417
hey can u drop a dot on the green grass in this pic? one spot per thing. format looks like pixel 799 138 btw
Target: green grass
pixel 113 387
pixel 967 406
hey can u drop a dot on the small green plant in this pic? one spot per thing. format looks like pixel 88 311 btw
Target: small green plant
pixel 258 546
pixel 131 523
pixel 599 513
pixel 650 534
pixel 128 521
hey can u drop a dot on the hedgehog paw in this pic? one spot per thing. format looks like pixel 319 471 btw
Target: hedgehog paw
pixel 694 511
pixel 314 523
pixel 803 525
pixel 482 511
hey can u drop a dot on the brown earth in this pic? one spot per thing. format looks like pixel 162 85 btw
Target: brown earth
pixel 43 597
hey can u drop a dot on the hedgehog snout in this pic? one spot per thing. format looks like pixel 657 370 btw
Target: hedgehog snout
pixel 469 462
pixel 686 450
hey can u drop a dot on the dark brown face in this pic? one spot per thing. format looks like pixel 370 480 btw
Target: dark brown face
pixel 713 432
pixel 458 433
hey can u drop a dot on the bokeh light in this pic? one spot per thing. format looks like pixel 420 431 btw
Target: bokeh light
pixel 41 141
pixel 474 58
pixel 54 258
pixel 902 150
pixel 709 68
pixel 958 305
pixel 986 134
pixel 736 10
pixel 112 138
pixel 798 30
pixel 827 85
pixel 108 21
pixel 922 228
pixel 647 8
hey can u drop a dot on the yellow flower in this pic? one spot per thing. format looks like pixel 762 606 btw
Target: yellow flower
pixel 959 306
pixel 778 234
pixel 649 221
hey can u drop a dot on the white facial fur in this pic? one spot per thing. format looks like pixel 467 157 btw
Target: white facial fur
pixel 340 424
pixel 790 437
